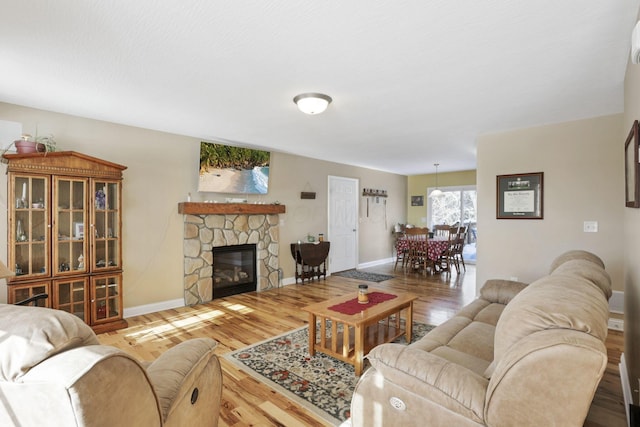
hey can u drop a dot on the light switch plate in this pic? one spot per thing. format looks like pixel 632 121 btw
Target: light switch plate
pixel 591 226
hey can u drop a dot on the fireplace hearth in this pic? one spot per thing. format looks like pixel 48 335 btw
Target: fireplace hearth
pixel 234 270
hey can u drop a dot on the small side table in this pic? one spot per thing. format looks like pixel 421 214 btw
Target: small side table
pixel 311 260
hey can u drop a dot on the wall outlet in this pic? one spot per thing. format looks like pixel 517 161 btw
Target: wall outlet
pixel 616 324
pixel 591 226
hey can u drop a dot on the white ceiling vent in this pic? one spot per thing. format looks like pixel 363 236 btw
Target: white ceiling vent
pixel 635 44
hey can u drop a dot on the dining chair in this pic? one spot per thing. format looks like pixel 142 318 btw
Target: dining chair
pixel 448 257
pixel 458 248
pixel 416 241
pixel 402 249
pixel 441 230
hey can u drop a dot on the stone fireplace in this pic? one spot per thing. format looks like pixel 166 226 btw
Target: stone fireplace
pixel 209 225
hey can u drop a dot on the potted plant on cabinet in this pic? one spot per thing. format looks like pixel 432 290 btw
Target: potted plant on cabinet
pixel 27 144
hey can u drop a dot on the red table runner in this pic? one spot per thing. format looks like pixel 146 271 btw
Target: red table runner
pixel 353 306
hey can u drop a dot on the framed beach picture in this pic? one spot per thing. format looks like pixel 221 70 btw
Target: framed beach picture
pixel 519 196
pixel 233 170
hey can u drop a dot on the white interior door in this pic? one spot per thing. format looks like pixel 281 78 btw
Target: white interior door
pixel 343 221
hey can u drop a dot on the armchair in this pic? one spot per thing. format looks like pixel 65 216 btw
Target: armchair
pixel 54 372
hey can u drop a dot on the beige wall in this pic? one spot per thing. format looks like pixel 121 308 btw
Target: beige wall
pixel 583 181
pixel 162 169
pixel 631 241
pixel 417 186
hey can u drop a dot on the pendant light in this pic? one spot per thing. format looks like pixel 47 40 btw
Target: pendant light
pixel 437 192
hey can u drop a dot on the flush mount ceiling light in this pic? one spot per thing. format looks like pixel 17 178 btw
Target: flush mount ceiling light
pixel 437 192
pixel 312 103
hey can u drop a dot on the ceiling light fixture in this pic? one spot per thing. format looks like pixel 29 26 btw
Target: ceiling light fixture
pixel 312 103
pixel 437 192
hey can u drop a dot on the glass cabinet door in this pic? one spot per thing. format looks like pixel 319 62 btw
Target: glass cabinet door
pixel 106 225
pixel 69 295
pixel 70 248
pixel 19 293
pixel 29 225
pixel 105 297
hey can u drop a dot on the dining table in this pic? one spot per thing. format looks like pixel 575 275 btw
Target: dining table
pixel 433 247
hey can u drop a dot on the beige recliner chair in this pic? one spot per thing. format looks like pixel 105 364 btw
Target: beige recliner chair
pixel 54 372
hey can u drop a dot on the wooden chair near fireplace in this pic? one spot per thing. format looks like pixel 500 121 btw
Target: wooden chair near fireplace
pixel 311 260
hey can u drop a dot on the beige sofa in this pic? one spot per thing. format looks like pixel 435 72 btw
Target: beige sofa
pixel 54 372
pixel 519 355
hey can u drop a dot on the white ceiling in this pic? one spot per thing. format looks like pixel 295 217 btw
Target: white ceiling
pixel 413 82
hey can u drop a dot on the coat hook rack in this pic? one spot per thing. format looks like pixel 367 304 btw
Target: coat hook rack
pixel 372 192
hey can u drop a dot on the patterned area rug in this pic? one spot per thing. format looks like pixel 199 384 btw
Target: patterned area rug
pixel 320 383
pixel 361 275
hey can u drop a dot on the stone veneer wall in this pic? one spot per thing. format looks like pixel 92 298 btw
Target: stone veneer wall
pixel 204 232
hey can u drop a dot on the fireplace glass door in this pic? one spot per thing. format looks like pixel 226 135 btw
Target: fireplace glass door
pixel 234 270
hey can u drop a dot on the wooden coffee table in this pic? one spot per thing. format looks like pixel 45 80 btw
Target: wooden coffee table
pixel 360 332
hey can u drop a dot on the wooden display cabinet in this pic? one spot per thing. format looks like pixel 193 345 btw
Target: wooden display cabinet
pixel 65 224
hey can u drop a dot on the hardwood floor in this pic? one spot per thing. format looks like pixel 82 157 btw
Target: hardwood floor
pixel 241 320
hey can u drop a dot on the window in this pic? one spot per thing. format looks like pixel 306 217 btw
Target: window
pixel 457 205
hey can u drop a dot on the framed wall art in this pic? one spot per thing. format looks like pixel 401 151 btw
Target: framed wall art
pixel 417 200
pixel 234 170
pixel 519 196
pixel 631 161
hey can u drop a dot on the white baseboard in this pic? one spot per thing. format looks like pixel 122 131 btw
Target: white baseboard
pixel 289 281
pixel 376 263
pixel 152 308
pixel 166 305
pixel 292 280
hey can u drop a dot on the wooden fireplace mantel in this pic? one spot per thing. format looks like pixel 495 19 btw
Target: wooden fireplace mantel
pixel 199 208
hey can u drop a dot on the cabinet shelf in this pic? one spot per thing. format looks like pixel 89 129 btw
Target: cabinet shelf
pixel 53 199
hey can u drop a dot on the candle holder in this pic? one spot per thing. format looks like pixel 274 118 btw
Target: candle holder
pixel 363 297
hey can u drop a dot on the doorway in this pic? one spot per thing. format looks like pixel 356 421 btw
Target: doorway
pixel 457 205
pixel 343 221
